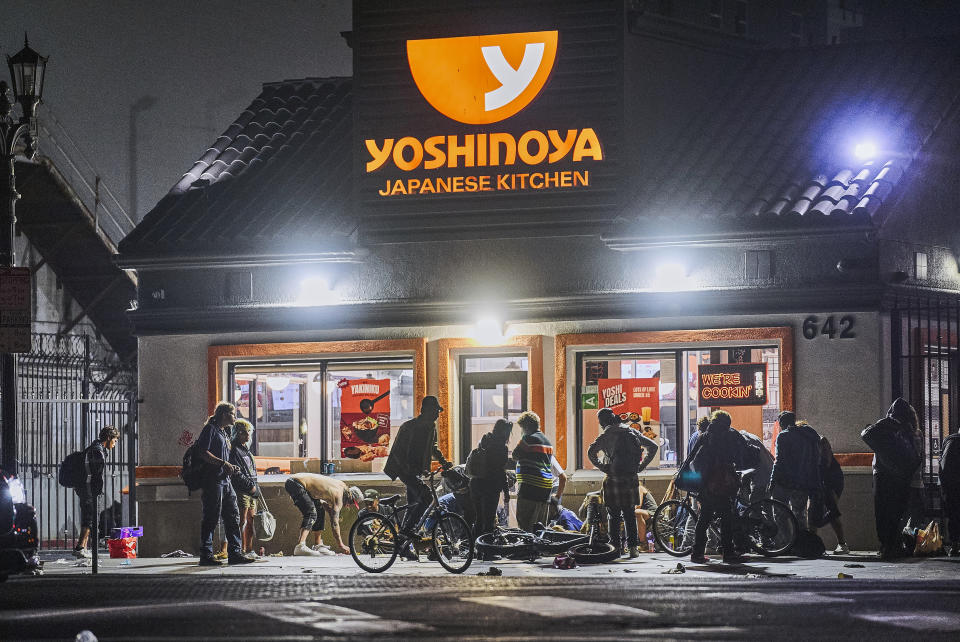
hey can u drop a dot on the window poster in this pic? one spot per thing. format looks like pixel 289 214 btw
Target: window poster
pixel 364 418
pixel 637 401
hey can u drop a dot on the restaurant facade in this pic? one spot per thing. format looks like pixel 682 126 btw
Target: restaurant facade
pixel 555 206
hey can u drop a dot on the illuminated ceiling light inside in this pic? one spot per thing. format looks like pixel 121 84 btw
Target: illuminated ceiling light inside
pixel 278 382
pixel 865 150
pixel 488 331
pixel 316 290
pixel 670 276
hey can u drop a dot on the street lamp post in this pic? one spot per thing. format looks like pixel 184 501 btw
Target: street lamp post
pixel 27 70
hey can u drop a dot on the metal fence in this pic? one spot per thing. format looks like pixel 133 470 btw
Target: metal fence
pixel 69 388
pixel 926 372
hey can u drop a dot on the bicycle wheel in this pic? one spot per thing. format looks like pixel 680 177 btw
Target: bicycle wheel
pixel 453 542
pixel 673 525
pixel 593 553
pixel 373 543
pixel 510 544
pixel 771 527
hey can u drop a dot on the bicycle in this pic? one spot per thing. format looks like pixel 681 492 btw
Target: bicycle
pixel 766 526
pixel 516 544
pixel 376 540
pixel 597 549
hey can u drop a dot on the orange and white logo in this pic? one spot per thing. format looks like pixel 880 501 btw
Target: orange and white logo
pixel 482 79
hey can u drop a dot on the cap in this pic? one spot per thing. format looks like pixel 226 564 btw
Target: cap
pixel 430 403
pixel 371 493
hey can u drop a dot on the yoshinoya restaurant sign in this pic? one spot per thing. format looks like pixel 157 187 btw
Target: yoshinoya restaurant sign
pixel 481 80
pixel 732 384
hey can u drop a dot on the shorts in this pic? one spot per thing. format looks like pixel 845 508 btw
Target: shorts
pixel 88 508
pixel 311 509
pixel 246 501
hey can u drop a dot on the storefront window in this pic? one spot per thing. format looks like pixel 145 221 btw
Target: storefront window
pixel 642 386
pixel 345 412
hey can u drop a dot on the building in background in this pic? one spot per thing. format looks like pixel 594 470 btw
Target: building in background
pixel 592 213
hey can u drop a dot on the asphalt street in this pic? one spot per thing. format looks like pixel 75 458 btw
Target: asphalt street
pixel 619 605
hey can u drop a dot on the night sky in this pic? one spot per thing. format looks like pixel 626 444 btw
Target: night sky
pixel 183 69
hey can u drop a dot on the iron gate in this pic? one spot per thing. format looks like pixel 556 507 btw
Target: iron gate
pixel 926 372
pixel 69 388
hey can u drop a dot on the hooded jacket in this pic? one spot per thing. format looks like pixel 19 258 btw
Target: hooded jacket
pixel 622 459
pixel 797 465
pixel 901 417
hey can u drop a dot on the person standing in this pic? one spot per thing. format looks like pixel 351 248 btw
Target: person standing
pixel 413 449
pixel 218 499
pixel 757 456
pixel 626 453
pixel 893 474
pixel 315 495
pixel 950 487
pixel 244 482
pixel 719 454
pixel 95 464
pixel 486 489
pixel 795 479
pixel 534 473
pixel 832 475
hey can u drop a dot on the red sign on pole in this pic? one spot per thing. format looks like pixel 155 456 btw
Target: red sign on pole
pixel 15 293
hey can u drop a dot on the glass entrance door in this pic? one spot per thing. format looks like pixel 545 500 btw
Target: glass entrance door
pixel 486 397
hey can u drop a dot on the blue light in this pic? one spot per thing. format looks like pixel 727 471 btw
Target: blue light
pixel 865 150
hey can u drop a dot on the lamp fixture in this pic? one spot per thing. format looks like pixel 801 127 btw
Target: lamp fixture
pixel 489 331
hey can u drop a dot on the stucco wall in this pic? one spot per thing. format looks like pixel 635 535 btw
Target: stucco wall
pixel 840 385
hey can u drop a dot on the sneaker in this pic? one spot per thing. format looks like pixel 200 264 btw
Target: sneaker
pixel 220 556
pixel 82 553
pixel 955 550
pixel 841 549
pixel 320 547
pixel 239 558
pixel 634 552
pixel 209 561
pixel 301 549
pixel 699 559
pixel 734 559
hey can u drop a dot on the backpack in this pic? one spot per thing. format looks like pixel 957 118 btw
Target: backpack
pixel 808 545
pixel 72 473
pixel 192 471
pixel 476 464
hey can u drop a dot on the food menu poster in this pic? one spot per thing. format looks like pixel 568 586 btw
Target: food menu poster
pixel 364 418
pixel 630 397
pixel 637 401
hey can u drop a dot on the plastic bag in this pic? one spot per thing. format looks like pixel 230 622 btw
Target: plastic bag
pixel 929 541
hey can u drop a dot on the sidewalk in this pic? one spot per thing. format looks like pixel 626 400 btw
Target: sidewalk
pixel 861 566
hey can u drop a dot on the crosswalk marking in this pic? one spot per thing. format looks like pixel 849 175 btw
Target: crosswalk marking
pixel 331 618
pixel 556 607
pixel 924 621
pixel 777 598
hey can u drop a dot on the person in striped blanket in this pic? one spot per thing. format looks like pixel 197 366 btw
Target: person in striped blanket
pixel 534 473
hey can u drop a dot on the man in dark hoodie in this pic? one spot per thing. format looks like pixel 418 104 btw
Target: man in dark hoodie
pixel 626 453
pixel 893 475
pixel 950 486
pixel 720 453
pixel 485 489
pixel 795 478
